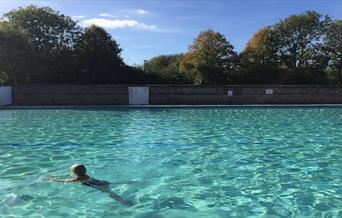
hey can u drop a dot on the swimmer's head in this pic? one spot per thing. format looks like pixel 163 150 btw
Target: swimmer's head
pixel 78 170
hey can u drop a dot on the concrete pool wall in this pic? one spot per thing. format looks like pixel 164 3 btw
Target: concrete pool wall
pixel 73 95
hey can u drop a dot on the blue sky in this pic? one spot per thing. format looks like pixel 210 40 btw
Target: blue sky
pixel 145 29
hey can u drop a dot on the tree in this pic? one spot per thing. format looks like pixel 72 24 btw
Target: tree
pixel 52 34
pixel 166 67
pixel 135 75
pixel 259 49
pixel 298 42
pixel 17 56
pixel 98 57
pixel 210 59
pixel 47 28
pixel 257 62
pixel 334 47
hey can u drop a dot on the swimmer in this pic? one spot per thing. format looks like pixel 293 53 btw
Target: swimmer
pixel 79 174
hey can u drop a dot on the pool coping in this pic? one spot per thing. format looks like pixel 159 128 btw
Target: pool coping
pixel 170 106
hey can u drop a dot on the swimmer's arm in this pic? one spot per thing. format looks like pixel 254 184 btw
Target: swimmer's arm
pixel 55 179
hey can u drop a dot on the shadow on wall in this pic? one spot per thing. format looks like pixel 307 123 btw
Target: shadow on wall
pixel 5 95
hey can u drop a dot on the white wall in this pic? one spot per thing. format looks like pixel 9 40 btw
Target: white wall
pixel 138 95
pixel 5 95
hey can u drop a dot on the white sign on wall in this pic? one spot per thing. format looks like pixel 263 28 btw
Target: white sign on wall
pixel 5 95
pixel 138 95
pixel 230 92
pixel 269 91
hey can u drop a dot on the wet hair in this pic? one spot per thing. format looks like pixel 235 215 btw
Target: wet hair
pixel 78 169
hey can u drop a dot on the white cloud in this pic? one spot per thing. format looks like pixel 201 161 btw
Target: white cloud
pixel 136 11
pixel 141 11
pixel 117 23
pixel 76 17
pixel 107 15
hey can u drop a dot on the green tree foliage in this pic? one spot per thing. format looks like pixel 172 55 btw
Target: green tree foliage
pixel 17 56
pixel 166 67
pixel 53 36
pixel 40 45
pixel 334 47
pixel 298 42
pixel 135 75
pixel 65 53
pixel 210 59
pixel 47 28
pixel 98 57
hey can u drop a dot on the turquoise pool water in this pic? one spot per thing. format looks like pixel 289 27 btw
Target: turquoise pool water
pixel 187 162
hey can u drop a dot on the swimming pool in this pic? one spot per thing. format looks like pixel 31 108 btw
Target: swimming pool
pixel 189 162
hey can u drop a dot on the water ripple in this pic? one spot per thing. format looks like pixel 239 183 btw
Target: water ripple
pixel 218 162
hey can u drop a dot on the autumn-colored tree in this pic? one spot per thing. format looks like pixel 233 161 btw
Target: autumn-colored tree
pixel 257 62
pixel 187 68
pixel 258 41
pixel 210 59
pixel 41 45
